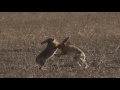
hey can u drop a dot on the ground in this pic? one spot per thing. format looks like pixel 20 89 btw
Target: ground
pixel 96 33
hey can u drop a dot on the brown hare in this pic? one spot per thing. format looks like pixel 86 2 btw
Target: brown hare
pixel 48 52
pixel 72 50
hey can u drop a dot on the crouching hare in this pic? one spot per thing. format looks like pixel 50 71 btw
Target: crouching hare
pixel 72 50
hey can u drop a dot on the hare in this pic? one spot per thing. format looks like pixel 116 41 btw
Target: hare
pixel 72 50
pixel 48 52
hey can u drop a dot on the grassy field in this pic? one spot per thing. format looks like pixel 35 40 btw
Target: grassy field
pixel 96 33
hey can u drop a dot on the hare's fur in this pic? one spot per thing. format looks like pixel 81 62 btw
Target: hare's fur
pixel 48 52
pixel 72 50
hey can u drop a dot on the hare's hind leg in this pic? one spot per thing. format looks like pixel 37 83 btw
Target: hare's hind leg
pixel 41 63
pixel 40 67
pixel 84 62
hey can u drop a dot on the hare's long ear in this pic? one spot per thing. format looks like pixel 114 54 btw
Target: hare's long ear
pixel 43 42
pixel 65 40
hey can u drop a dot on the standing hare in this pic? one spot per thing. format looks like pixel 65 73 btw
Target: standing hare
pixel 72 50
pixel 48 52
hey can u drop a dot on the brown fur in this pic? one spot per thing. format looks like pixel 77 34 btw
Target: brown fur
pixel 72 50
pixel 48 52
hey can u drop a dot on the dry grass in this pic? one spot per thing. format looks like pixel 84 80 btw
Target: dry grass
pixel 96 33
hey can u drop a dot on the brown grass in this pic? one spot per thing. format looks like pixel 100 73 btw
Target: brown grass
pixel 96 33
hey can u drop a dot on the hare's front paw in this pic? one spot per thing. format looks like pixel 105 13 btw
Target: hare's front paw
pixel 57 55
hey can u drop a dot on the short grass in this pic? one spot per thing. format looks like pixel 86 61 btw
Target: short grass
pixel 96 33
